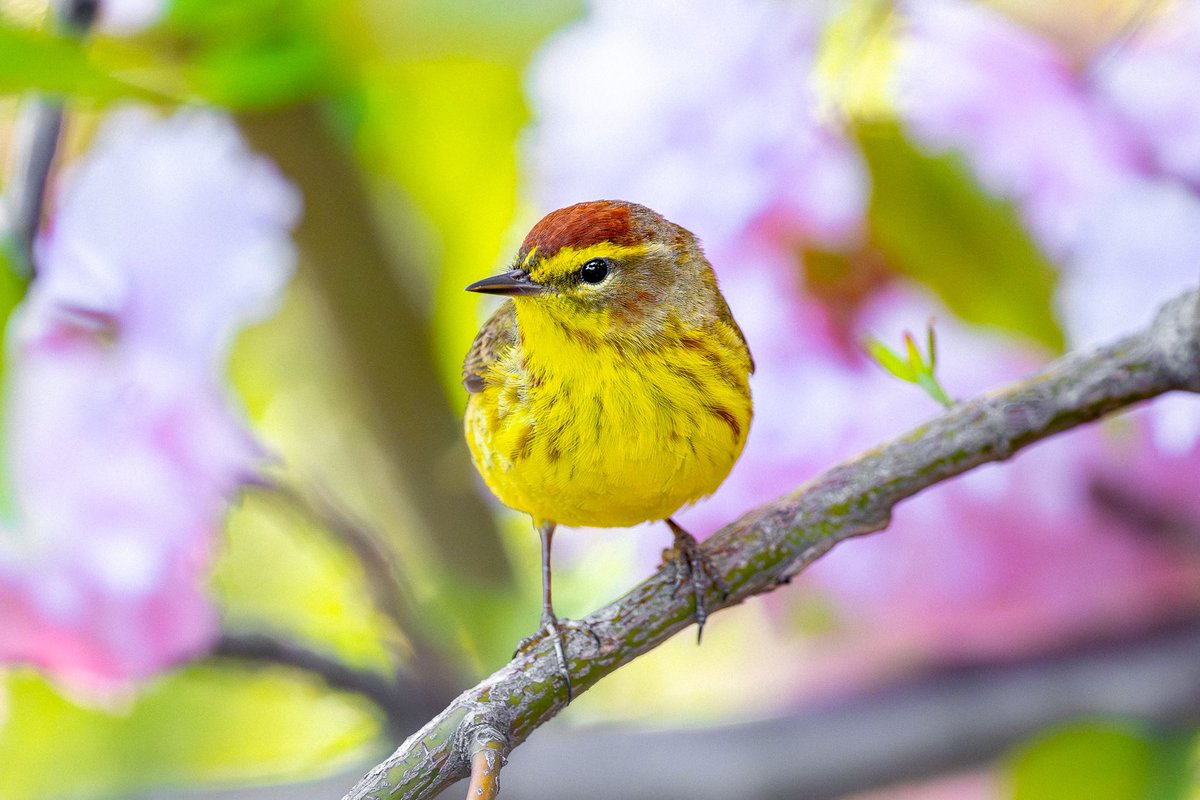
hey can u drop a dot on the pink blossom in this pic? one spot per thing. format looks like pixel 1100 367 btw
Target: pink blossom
pixel 972 81
pixel 1086 155
pixel 124 444
pixel 1133 253
pixel 1013 557
pixel 1149 83
pixel 706 114
pixel 1022 555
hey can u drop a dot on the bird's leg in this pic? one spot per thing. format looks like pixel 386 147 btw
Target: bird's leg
pixel 549 622
pixel 693 565
pixel 550 625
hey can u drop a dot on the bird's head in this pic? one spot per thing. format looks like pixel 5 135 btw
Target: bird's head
pixel 608 268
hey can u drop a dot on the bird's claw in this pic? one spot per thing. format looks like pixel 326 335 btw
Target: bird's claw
pixel 693 566
pixel 552 628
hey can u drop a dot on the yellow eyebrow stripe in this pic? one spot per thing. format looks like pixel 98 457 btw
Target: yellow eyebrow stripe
pixel 568 259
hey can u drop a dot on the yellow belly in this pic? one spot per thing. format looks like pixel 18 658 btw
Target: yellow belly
pixel 608 441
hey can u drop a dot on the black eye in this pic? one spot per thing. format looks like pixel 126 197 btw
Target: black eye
pixel 594 271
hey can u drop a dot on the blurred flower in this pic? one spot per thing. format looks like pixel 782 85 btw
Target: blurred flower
pixel 124 17
pixel 1149 81
pixel 1022 555
pixel 1071 149
pixel 124 445
pixel 1005 560
pixel 705 114
pixel 967 75
pixel 717 131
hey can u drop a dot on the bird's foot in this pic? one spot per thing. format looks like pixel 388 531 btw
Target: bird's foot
pixel 552 628
pixel 693 567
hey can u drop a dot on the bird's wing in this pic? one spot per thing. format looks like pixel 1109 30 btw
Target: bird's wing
pixel 497 334
pixel 726 316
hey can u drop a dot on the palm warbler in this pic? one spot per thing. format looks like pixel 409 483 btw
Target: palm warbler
pixel 613 388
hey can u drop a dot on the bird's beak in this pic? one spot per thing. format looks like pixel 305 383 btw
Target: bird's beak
pixel 513 282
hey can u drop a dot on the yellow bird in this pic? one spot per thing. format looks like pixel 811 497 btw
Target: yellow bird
pixel 613 388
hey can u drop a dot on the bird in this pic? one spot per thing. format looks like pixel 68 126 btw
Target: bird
pixel 611 388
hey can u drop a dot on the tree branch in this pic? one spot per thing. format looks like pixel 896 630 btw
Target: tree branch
pixel 402 704
pixel 948 719
pixel 774 542
pixel 38 127
pixel 315 503
pixel 370 293
pixel 426 672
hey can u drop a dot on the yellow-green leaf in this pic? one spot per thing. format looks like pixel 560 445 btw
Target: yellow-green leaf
pixel 203 724
pixel 31 60
pixel 939 227
pixel 1101 760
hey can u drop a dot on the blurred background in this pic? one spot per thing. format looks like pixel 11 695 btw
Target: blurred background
pixel 244 554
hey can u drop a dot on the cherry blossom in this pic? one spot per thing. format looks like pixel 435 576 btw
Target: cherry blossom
pixel 1011 558
pixel 124 443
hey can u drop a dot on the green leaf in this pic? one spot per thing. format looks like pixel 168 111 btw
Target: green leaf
pixel 932 340
pixel 855 57
pixel 914 355
pixel 929 383
pixel 264 75
pixel 497 31
pixel 940 228
pixel 13 285
pixel 913 370
pixel 31 60
pixel 884 356
pixel 203 724
pixel 265 53
pixel 446 131
pixel 1102 760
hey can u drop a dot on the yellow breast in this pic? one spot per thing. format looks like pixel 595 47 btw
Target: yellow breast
pixel 581 431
